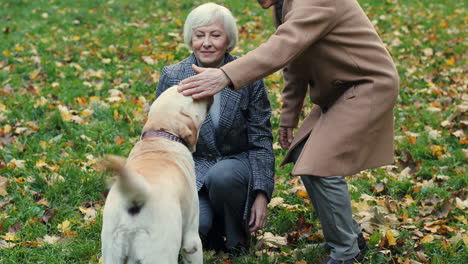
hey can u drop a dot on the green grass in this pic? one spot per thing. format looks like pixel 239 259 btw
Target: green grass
pixel 73 55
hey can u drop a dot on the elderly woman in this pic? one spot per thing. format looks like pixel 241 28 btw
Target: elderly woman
pixel 234 158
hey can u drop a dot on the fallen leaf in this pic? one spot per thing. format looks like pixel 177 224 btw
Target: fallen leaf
pixel 119 140
pixel 64 226
pixel 5 245
pixel 89 213
pixel 48 214
pixel 427 239
pixel 51 240
pixel 390 238
pixel 3 186
pixel 276 201
pixel 273 241
pixel 9 236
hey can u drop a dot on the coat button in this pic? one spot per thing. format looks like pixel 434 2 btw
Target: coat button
pixel 324 109
pixel 339 83
pixel 210 157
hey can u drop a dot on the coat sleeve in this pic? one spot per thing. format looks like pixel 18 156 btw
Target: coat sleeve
pixel 305 23
pixel 294 92
pixel 261 156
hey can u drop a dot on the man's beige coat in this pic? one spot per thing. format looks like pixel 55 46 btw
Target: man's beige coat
pixel 329 48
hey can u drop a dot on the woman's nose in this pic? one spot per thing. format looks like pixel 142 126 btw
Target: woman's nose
pixel 207 41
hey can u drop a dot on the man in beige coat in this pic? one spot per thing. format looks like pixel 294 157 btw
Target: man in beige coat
pixel 329 49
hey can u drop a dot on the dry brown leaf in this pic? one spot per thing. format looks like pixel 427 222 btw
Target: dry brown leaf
pixel 51 239
pixel 14 163
pixel 3 186
pixel 89 213
pixel 5 245
pixel 461 204
pixel 421 256
pixel 48 214
pixel 44 202
pixel 276 201
pixel 273 241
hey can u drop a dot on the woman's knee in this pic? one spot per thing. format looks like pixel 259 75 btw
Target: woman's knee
pixel 206 222
pixel 227 174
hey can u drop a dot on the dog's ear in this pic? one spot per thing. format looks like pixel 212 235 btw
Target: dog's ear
pixel 190 137
pixel 188 131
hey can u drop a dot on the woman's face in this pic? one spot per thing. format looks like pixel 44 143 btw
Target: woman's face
pixel 210 43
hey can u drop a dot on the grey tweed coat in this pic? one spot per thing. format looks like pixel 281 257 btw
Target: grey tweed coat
pixel 243 133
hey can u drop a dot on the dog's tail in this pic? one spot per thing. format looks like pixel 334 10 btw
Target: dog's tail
pixel 131 184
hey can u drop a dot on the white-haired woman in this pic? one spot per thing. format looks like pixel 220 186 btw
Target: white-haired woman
pixel 234 159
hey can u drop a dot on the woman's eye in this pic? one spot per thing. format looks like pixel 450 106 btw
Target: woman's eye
pixel 216 36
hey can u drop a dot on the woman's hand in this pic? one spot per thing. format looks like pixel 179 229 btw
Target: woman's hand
pixel 258 212
pixel 208 81
pixel 285 137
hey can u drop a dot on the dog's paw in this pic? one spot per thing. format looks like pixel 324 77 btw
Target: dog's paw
pixel 191 250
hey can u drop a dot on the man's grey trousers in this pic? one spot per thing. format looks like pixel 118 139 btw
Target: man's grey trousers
pixel 330 197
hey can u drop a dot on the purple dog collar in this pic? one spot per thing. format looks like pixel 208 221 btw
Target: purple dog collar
pixel 163 134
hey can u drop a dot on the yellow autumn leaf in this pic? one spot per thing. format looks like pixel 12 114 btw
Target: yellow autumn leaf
pixel 390 238
pixel 43 145
pixel 64 226
pixel 7 129
pixel 302 193
pixel 9 236
pixel 427 239
pixel 451 61
pixel 275 77
pixel 34 74
pixel 41 163
pixel 437 151
pixel 44 202
pixel 20 180
pixel 64 113
pixel 19 48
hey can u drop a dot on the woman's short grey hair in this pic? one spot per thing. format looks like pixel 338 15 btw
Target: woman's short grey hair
pixel 206 14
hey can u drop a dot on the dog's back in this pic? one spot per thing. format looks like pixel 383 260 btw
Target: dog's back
pixel 143 218
pixel 151 213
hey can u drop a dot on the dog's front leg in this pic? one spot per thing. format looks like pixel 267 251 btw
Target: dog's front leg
pixel 192 249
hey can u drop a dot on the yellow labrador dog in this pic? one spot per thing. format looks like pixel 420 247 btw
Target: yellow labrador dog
pixel 151 212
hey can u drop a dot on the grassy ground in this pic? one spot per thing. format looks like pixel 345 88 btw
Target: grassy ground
pixel 76 76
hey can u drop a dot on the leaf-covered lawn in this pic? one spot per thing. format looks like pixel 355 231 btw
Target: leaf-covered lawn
pixel 76 78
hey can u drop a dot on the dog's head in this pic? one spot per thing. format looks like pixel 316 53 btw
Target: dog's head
pixel 178 114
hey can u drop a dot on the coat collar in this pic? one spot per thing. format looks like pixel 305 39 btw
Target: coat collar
pixel 228 108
